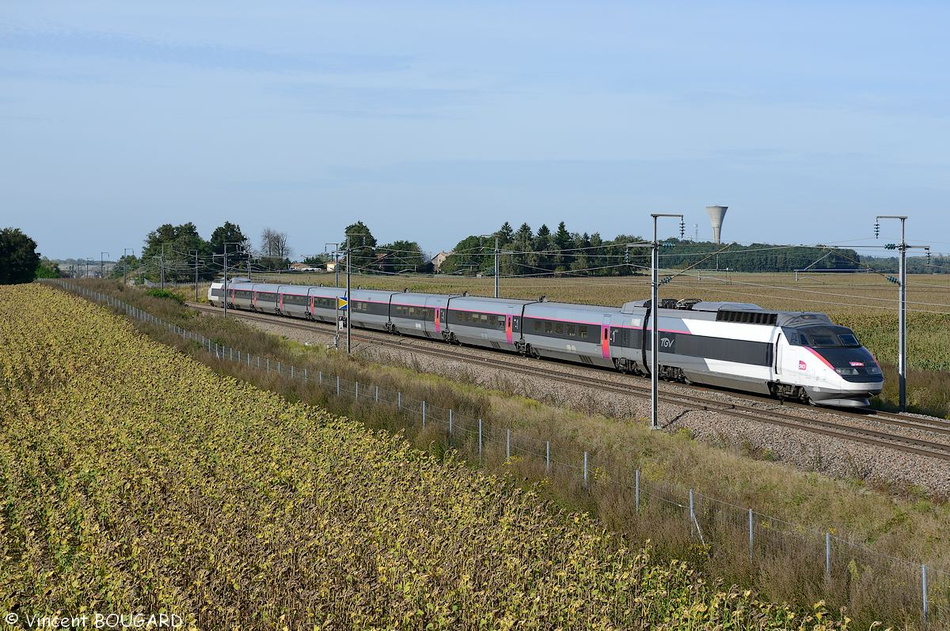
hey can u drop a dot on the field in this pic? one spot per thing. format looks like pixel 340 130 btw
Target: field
pixel 136 481
pixel 899 525
pixel 867 303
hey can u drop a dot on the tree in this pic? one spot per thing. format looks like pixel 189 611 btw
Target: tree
pixel 18 257
pixel 562 243
pixel 522 244
pixel 229 233
pixel 400 256
pixel 363 245
pixel 125 266
pixel 468 257
pixel 505 234
pixel 625 261
pixel 48 269
pixel 542 249
pixel 275 249
pixel 169 252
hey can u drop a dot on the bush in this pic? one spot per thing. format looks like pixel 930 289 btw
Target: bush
pixel 164 293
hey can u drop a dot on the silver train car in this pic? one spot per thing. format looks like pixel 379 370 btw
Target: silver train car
pixel 789 355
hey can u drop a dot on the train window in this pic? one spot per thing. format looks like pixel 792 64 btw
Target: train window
pixel 571 330
pixel 548 327
pixel 559 328
pixel 582 332
pixel 538 327
pixel 848 339
pixel 826 337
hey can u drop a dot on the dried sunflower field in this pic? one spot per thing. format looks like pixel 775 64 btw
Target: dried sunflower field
pixel 136 481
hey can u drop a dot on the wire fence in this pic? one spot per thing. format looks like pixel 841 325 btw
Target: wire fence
pixel 822 564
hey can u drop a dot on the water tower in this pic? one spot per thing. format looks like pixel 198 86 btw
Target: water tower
pixel 716 214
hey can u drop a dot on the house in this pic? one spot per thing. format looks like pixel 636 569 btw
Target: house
pixel 303 267
pixel 331 265
pixel 439 259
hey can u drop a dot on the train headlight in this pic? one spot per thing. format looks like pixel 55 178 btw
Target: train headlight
pixel 846 371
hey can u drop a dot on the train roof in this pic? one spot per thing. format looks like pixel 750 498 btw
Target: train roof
pixel 739 312
pixel 482 303
pixel 570 306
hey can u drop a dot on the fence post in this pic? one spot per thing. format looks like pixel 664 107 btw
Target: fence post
pixel 636 492
pixel 278 368
pixel 692 508
pixel 451 429
pixel 291 371
pixel 357 391
pixel 423 415
pixel 547 457
pixel 399 401
pixel 320 377
pixel 828 556
pixel 338 385
pixel 923 588
pixel 508 444
pixel 585 469
pixel 305 374
pixel 479 440
pixel 268 364
pixel 377 394
pixel 751 536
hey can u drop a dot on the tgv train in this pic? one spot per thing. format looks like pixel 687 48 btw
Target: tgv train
pixel 789 355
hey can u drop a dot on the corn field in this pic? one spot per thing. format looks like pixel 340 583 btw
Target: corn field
pixel 135 481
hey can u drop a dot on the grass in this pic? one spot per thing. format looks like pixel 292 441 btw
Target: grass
pixel 896 522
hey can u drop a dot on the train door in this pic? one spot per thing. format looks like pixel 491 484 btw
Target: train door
pixel 310 307
pixel 509 333
pixel 779 353
pixel 605 337
pixel 254 302
pixel 280 303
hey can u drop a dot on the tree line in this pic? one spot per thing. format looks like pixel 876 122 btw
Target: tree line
pixel 179 254
pixel 524 252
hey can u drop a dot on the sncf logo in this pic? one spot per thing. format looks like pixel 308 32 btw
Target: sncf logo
pixel 802 365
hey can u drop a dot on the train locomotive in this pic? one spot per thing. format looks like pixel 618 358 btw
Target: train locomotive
pixel 799 356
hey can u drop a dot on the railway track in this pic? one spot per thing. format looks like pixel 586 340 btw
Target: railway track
pixel 891 433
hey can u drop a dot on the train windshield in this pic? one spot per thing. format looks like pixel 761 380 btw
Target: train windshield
pixel 822 337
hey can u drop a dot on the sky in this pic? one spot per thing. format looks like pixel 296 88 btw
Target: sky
pixel 431 121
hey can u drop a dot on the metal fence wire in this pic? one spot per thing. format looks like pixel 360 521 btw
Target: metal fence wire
pixel 833 566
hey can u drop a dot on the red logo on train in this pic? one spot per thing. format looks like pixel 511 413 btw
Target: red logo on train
pixel 802 365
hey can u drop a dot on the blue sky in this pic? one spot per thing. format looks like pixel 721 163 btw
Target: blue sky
pixel 431 121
